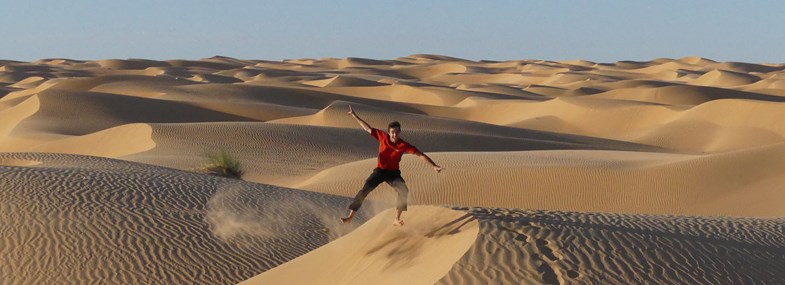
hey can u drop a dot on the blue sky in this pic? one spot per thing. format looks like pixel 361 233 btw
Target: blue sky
pixel 602 31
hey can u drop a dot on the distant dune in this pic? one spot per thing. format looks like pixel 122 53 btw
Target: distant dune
pixel 666 171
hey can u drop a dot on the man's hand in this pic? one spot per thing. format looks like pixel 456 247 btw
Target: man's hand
pixel 362 123
pixel 438 169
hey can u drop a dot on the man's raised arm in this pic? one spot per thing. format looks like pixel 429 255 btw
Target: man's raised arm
pixel 362 123
pixel 428 160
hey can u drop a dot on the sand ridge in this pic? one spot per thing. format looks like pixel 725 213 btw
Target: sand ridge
pixel 420 252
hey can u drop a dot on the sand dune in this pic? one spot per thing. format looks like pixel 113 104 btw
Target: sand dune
pixel 684 95
pixel 522 141
pixel 634 182
pixel 745 67
pixel 541 247
pixel 724 78
pixel 421 252
pixel 131 64
pixel 113 142
pixel 28 82
pixel 15 114
pixel 273 152
pixel 342 81
pixel 78 219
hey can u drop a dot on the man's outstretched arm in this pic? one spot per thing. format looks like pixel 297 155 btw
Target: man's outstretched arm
pixel 428 160
pixel 362 123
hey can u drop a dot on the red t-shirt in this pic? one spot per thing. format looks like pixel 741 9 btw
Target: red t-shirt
pixel 390 153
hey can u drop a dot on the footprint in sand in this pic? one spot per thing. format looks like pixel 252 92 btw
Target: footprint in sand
pixel 545 249
pixel 573 274
pixel 519 235
pixel 548 273
pixel 522 237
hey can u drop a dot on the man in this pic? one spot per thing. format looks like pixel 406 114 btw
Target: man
pixel 391 148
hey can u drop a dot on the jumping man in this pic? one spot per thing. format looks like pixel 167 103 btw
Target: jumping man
pixel 391 148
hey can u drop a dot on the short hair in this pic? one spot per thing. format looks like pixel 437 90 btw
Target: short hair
pixel 395 124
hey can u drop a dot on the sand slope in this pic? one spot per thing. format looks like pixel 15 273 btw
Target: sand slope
pixel 743 183
pixel 87 220
pixel 509 246
pixel 420 252
pixel 542 247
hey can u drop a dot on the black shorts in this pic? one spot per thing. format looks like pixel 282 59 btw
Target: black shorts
pixel 392 177
pixel 383 175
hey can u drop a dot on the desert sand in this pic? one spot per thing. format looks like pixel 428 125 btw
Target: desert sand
pixel 557 172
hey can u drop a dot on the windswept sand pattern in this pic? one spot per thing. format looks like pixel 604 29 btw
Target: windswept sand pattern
pixel 546 247
pixel 87 220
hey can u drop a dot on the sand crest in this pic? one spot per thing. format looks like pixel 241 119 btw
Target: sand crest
pixel 420 252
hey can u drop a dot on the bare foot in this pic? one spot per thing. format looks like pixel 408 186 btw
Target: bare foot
pixel 398 222
pixel 348 218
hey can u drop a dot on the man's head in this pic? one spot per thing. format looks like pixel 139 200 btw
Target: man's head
pixel 394 130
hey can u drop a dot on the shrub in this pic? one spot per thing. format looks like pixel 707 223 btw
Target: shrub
pixel 222 163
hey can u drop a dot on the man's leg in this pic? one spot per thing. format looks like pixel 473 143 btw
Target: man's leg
pixel 371 183
pixel 403 197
